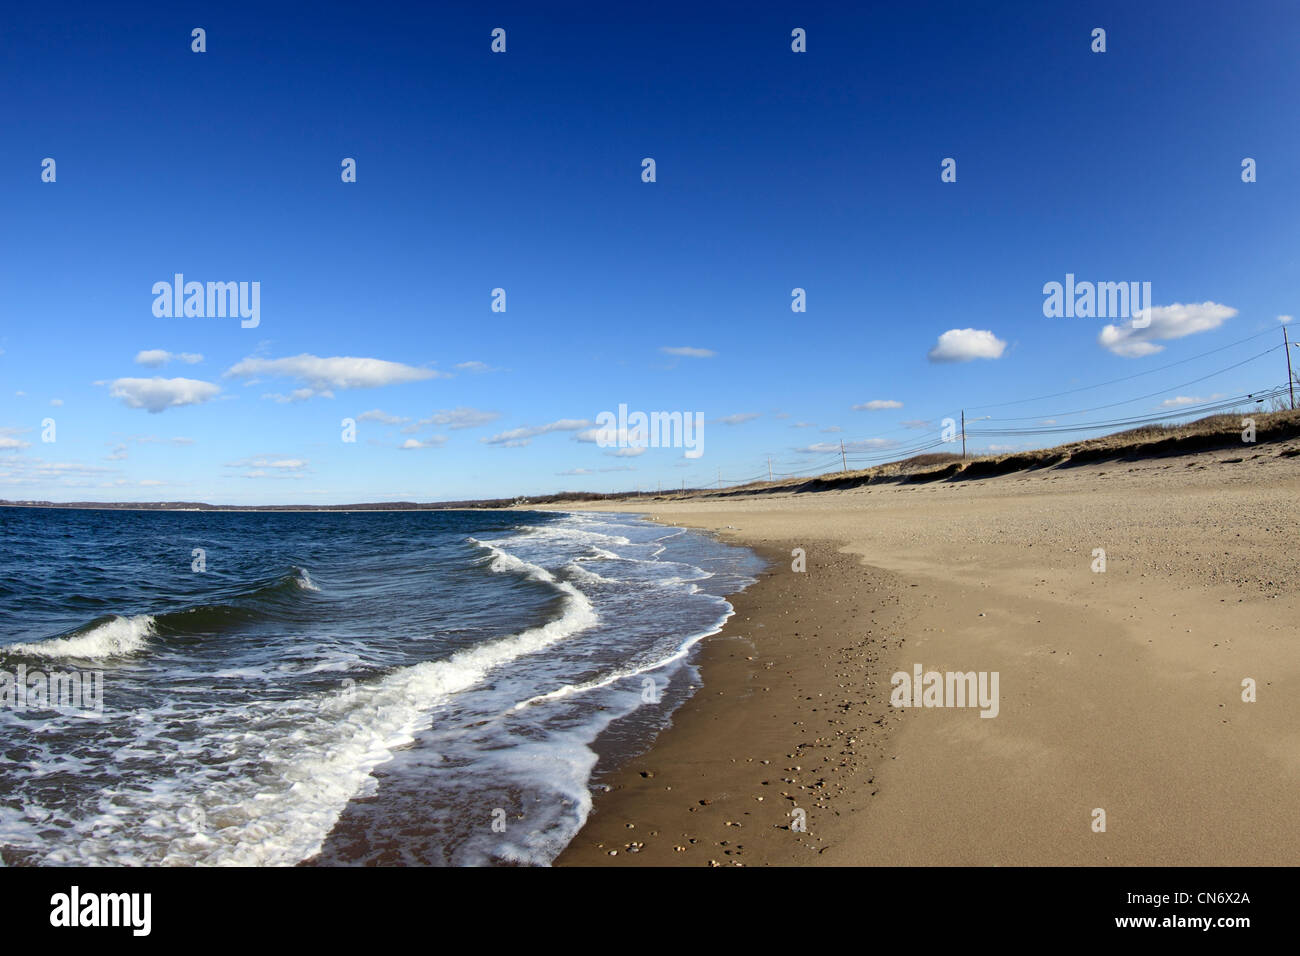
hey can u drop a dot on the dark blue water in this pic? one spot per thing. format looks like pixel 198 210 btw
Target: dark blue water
pixel 402 687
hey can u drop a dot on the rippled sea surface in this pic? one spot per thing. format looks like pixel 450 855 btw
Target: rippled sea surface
pixel 418 687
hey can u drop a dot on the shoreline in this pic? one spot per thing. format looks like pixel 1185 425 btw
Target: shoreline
pixel 713 782
pixel 1120 692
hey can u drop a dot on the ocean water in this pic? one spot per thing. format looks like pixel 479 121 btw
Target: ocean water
pixel 335 688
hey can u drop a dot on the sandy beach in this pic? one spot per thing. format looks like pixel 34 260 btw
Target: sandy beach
pixel 1119 690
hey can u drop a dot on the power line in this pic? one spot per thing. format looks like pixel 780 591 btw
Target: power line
pixel 1126 378
pixel 1183 412
pixel 1129 401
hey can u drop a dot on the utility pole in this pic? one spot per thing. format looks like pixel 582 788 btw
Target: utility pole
pixel 963 431
pixel 1290 379
pixel 769 467
pixel 844 463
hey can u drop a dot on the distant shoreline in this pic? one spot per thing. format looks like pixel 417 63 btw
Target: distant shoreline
pixel 490 504
pixel 1145 443
pixel 294 509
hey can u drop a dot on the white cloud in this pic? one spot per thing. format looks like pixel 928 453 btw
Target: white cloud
pixel 455 418
pixel 686 351
pixel 275 462
pixel 56 402
pixel 962 345
pixel 865 444
pixel 11 443
pixel 518 437
pixel 37 471
pixel 436 441
pixel 475 367
pixel 1180 400
pixel 876 404
pixel 917 423
pixel 631 452
pixel 1166 322
pixel 320 375
pixel 155 440
pixel 279 476
pixel 298 395
pixel 576 471
pixel 154 358
pixel 1285 319
pixel 737 419
pixel 377 415
pixel 804 425
pixel 158 394
pixel 832 430
pixel 613 436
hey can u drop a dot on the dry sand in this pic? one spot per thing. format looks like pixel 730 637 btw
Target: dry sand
pixel 1119 690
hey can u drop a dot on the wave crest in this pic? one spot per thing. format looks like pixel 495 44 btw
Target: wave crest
pixel 113 637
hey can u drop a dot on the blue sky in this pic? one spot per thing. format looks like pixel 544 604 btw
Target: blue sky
pixel 775 170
